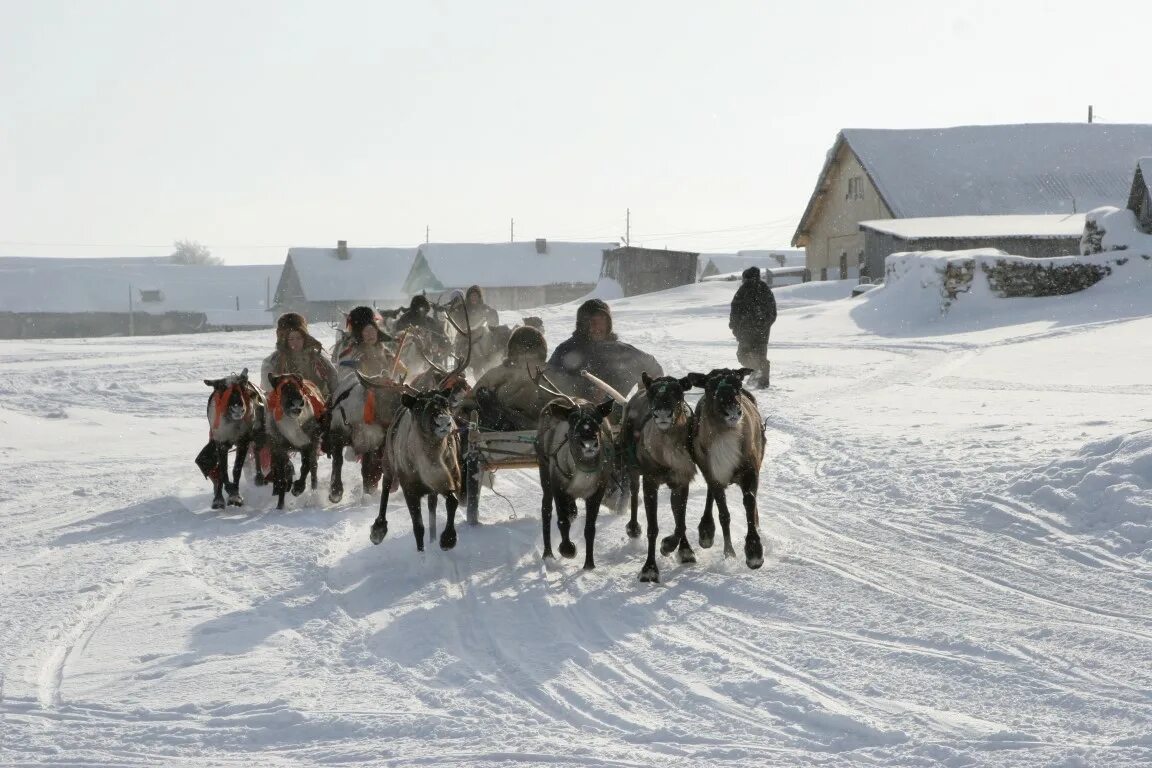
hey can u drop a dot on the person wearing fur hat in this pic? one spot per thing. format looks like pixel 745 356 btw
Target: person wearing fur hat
pixel 751 317
pixel 418 315
pixel 298 352
pixel 362 346
pixel 595 347
pixel 506 396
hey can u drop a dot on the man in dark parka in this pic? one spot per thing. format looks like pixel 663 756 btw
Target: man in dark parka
pixel 593 346
pixel 751 318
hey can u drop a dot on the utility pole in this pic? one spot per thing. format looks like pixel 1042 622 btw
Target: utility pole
pixel 426 231
pixel 1089 113
pixel 627 226
pixel 131 319
pixel 512 230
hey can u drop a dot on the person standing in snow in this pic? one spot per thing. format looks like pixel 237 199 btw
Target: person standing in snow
pixel 751 317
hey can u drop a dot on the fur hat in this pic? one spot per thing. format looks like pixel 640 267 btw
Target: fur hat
pixel 527 342
pixel 294 321
pixel 535 322
pixel 360 318
pixel 752 273
pixel 418 301
pixel 587 310
pixel 474 289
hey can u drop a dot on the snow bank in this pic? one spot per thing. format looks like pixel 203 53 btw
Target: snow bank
pixel 1105 489
pixel 1114 229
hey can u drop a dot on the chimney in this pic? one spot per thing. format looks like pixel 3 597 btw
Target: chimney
pixel 541 245
pixel 342 250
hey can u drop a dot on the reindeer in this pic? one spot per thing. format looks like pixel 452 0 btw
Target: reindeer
pixel 292 421
pixel 574 454
pixel 728 446
pixel 423 455
pixel 360 413
pixel 235 419
pixel 655 440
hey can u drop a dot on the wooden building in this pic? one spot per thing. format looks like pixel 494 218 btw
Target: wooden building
pixel 324 283
pixel 1043 168
pixel 644 270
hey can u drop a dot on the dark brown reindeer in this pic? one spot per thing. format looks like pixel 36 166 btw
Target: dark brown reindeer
pixel 655 440
pixel 235 420
pixel 574 454
pixel 422 453
pixel 292 421
pixel 728 447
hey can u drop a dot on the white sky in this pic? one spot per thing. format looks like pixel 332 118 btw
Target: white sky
pixel 255 126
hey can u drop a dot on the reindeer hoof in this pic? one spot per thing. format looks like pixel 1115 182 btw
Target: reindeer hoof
pixel 259 480
pixel 335 495
pixel 650 574
pixel 707 536
pixel 299 486
pixel 218 504
pixel 567 549
pixel 754 553
pixel 686 556
pixel 447 540
pixel 548 555
pixel 378 532
pixel 589 565
pixel 632 529
pixel 235 500
pixel 669 543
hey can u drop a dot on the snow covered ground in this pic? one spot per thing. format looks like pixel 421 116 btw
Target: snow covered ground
pixel 956 507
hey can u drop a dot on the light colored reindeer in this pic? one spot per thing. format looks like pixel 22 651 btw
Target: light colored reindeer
pixel 728 447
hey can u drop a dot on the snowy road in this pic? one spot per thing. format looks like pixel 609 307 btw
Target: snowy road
pixel 958 570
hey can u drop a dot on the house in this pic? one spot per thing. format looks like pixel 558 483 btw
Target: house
pixel 979 170
pixel 324 283
pixel 49 298
pixel 512 275
pixel 1036 236
pixel 1140 196
pixel 644 270
pixel 724 263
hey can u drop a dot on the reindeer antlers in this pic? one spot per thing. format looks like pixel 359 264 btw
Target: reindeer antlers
pixel 375 383
pixel 551 389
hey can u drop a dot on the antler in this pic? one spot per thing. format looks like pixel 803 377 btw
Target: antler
pixel 467 355
pixel 551 389
pixel 385 384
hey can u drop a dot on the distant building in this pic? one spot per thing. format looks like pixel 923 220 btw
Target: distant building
pixel 514 275
pixel 324 283
pixel 712 264
pixel 644 270
pixel 989 170
pixel 1040 236
pixel 50 298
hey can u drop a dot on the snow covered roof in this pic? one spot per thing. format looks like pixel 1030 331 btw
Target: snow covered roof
pixel 102 285
pixel 490 265
pixel 993 169
pixel 367 273
pixel 1048 225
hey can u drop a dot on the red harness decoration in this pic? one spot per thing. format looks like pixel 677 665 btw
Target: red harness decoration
pixel 223 398
pixel 307 388
pixel 369 406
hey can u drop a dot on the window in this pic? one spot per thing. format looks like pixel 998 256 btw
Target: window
pixel 855 188
pixel 151 294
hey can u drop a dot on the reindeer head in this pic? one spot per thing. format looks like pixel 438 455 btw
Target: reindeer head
pixel 231 396
pixel 287 395
pixel 666 399
pixel 584 430
pixel 722 388
pixel 432 411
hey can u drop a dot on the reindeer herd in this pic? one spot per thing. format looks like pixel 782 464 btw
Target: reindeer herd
pixel 407 435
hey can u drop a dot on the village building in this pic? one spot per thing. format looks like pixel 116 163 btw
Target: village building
pixel 325 283
pixel 777 267
pixel 984 170
pixel 513 275
pixel 1037 236
pixel 53 298
pixel 645 270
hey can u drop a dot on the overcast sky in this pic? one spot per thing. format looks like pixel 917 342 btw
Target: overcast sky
pixel 254 126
